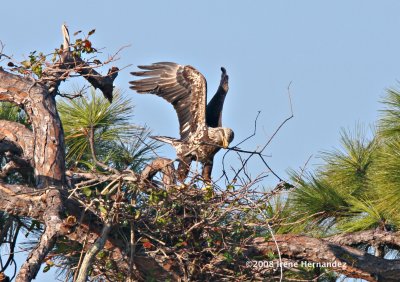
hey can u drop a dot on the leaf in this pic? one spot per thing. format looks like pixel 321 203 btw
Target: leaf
pixel 46 268
pixel 91 32
pixel 26 64
pixel 137 214
pixel 101 254
pixel 77 32
pixel 103 210
pixel 87 44
pixel 228 257
pixel 87 191
pixel 147 245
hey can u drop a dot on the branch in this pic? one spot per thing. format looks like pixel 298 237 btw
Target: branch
pixel 21 200
pixel 104 83
pixel 370 237
pixel 90 255
pixel 163 165
pixel 53 229
pixel 48 151
pixel 18 134
pixel 35 259
pixel 68 62
pixel 349 261
pixel 260 151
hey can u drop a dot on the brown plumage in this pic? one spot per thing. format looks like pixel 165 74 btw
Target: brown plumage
pixel 186 89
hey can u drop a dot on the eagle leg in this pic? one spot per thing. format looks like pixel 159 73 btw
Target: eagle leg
pixel 207 169
pixel 183 168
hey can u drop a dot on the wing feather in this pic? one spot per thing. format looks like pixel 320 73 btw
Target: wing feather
pixel 182 86
pixel 215 106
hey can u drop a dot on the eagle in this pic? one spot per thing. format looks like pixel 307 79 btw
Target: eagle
pixel 201 131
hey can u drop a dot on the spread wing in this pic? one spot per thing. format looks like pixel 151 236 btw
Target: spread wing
pixel 182 86
pixel 215 106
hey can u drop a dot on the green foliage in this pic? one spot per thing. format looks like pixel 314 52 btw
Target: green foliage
pixel 38 61
pixel 364 215
pixel 389 122
pixel 358 186
pixel 12 112
pixel 35 63
pixel 347 168
pixel 117 141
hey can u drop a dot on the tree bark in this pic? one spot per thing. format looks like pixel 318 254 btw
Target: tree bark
pixel 47 201
pixel 18 137
pixel 48 136
pixel 353 262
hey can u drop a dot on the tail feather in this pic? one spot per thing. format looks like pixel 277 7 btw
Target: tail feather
pixel 165 139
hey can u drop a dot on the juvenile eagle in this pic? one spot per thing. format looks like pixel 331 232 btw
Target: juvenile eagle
pixel 200 126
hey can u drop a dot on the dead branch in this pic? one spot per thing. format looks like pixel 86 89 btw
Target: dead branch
pixel 70 62
pixel 260 151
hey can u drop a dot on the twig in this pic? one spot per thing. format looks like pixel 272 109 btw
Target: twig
pixel 259 152
pixel 272 236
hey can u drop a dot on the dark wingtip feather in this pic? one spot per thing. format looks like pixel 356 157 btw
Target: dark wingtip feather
pixel 108 96
pixel 143 67
pixel 223 70
pixel 137 73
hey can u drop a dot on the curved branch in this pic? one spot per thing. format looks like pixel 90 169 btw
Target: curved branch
pixel 92 252
pixel 163 165
pixel 53 229
pixel 21 200
pixel 349 261
pixel 48 137
pixel 19 135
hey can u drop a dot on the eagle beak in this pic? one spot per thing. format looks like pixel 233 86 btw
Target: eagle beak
pixel 225 142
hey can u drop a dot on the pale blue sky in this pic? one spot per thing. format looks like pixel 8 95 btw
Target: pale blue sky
pixel 339 55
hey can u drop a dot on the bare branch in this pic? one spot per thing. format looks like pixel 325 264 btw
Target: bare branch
pixel 377 236
pixel 70 62
pixel 92 252
pixel 48 152
pixel 349 261
pixel 18 134
pixel 53 229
